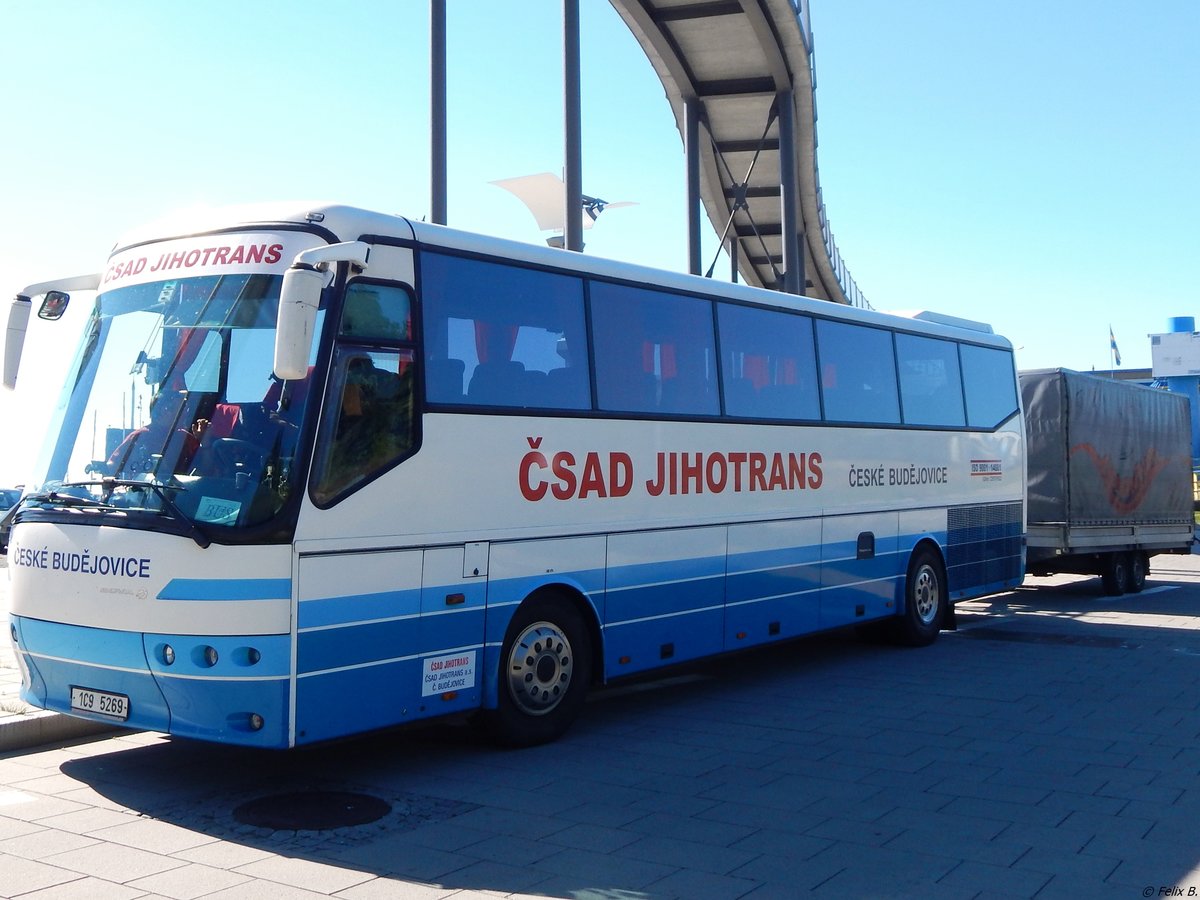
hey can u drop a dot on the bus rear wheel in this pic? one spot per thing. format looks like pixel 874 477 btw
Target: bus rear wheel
pixel 545 668
pixel 924 602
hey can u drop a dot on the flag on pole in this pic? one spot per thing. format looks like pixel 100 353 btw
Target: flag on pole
pixel 1112 343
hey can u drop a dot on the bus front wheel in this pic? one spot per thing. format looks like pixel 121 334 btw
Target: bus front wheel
pixel 545 668
pixel 924 602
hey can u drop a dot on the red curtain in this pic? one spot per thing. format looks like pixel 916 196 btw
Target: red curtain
pixel 666 359
pixel 491 336
pixel 754 368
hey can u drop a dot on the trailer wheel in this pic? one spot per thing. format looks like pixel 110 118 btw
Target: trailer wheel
pixel 1115 574
pixel 1139 567
pixel 545 668
pixel 924 602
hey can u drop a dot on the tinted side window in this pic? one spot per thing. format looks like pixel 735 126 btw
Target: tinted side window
pixel 989 384
pixel 768 366
pixel 497 335
pixel 376 312
pixel 930 384
pixel 858 373
pixel 655 352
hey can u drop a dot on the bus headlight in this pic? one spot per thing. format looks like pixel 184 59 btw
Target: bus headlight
pixel 210 656
pixel 168 655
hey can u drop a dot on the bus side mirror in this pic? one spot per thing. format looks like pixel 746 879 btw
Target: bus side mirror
pixel 53 306
pixel 14 343
pixel 300 296
pixel 298 302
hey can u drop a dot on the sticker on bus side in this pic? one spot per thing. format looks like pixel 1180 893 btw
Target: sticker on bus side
pixel 454 672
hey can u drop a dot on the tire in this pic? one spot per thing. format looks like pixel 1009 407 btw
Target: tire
pixel 544 673
pixel 925 601
pixel 1139 567
pixel 1115 575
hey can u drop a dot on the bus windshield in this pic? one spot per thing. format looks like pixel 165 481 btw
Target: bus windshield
pixel 172 406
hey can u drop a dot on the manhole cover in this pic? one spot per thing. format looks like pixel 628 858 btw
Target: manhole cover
pixel 312 811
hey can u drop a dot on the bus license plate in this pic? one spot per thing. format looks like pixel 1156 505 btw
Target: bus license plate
pixel 114 706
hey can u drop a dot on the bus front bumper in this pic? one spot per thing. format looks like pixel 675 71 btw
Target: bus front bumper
pixel 227 689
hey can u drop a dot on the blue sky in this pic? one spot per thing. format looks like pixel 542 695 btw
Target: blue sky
pixel 1028 164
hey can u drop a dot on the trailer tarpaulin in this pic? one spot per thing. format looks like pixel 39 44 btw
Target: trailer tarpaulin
pixel 1105 452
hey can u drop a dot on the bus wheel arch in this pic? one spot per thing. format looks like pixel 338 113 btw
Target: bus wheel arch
pixel 545 668
pixel 926 598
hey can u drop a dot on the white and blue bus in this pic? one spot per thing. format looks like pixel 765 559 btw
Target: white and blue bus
pixel 318 470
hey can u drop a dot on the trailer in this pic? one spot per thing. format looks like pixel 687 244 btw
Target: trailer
pixel 1110 476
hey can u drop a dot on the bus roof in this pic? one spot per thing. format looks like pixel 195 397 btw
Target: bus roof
pixel 349 223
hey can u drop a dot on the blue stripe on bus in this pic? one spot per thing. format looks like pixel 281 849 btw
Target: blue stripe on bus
pixel 640 575
pixel 354 608
pixel 588 581
pixel 776 574
pixel 227 589
pixel 373 642
pixel 81 644
pixel 755 560
pixel 782 581
pixel 839 572
pixel 638 591
pixel 662 600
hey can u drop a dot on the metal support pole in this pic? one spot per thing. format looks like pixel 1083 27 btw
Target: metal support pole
pixel 437 114
pixel 573 213
pixel 733 260
pixel 691 149
pixel 789 197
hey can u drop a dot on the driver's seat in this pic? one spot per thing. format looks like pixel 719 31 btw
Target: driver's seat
pixel 225 417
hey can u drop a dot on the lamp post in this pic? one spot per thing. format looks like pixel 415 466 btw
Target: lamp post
pixel 437 111
pixel 573 201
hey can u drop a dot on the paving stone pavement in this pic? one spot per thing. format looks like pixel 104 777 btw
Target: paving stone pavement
pixel 1047 749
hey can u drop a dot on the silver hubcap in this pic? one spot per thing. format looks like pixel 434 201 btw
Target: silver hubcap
pixel 539 668
pixel 926 595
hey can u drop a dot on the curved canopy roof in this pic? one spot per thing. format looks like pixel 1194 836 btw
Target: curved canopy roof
pixel 736 61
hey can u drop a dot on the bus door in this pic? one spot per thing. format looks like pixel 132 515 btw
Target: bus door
pixel 861 563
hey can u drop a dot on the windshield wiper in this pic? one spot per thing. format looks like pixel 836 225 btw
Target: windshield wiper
pixel 195 531
pixel 108 485
pixel 60 499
